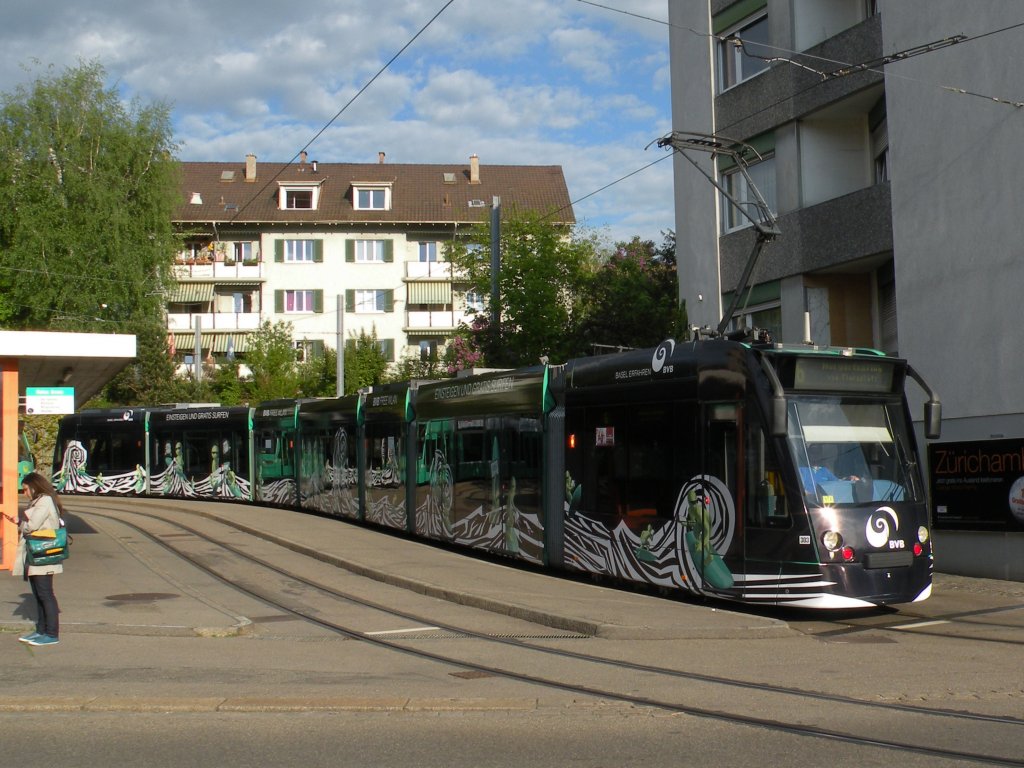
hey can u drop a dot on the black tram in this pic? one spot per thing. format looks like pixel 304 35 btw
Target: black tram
pixel 752 472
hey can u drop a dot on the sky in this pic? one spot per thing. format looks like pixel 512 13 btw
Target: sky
pixel 516 82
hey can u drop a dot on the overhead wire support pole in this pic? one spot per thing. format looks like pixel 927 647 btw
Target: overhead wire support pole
pixel 764 223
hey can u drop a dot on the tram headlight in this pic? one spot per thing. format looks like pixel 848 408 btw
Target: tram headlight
pixel 832 540
pixel 922 534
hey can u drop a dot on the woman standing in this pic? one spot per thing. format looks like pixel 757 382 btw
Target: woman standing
pixel 44 511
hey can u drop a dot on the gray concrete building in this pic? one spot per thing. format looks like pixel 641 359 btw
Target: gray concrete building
pixel 886 136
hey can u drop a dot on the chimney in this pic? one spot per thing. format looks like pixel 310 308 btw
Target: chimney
pixel 380 158
pixel 314 166
pixel 250 167
pixel 302 157
pixel 474 169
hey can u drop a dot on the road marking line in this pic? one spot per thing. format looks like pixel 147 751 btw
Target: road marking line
pixel 922 624
pixel 403 631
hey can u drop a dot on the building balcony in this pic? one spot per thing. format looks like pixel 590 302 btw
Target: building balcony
pixel 428 270
pixel 833 235
pixel 213 321
pixel 217 270
pixel 438 321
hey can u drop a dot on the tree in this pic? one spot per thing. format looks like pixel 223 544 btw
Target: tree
pixel 544 266
pixel 271 358
pixel 88 188
pixel 318 373
pixel 150 379
pixel 632 300
pixel 364 361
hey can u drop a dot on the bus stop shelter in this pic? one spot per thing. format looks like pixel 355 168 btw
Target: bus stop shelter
pixel 82 362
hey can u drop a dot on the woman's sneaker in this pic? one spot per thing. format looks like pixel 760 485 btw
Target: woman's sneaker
pixel 29 637
pixel 43 640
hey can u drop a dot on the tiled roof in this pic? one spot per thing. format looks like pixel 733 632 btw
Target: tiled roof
pixel 419 193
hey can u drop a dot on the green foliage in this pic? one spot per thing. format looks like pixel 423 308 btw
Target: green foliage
pixel 150 378
pixel 318 374
pixel 41 431
pixel 632 300
pixel 88 189
pixel 364 361
pixel 271 358
pixel 227 387
pixel 544 268
pixel 414 366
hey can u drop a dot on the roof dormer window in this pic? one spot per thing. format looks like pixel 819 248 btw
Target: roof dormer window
pixel 296 196
pixel 371 196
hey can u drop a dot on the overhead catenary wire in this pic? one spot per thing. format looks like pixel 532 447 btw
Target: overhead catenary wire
pixel 845 68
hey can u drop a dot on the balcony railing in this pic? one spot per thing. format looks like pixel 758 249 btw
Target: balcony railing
pixel 441 319
pixel 218 270
pixel 214 321
pixel 432 270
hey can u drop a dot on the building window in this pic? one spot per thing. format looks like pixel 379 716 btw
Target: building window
pixel 371 197
pixel 428 251
pixel 299 250
pixel 737 62
pixel 880 151
pixel 762 174
pixel 298 301
pixel 369 251
pixel 242 251
pixel 475 301
pixel 428 349
pixel 298 196
pixel 307 349
pixel 370 301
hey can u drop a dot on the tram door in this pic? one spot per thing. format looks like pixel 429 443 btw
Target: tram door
pixel 715 530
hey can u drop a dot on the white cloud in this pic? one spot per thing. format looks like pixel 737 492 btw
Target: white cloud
pixel 516 81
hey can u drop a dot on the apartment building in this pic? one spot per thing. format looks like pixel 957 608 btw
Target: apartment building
pixel 304 241
pixel 884 138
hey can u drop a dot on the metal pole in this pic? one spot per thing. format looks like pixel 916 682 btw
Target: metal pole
pixel 495 261
pixel 340 346
pixel 197 353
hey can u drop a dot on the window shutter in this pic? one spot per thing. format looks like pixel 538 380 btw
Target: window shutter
pixel 318 300
pixel 317 348
pixel 389 251
pixel 350 300
pixel 350 250
pixel 389 301
pixel 387 347
pixel 279 301
pixel 318 251
pixel 279 250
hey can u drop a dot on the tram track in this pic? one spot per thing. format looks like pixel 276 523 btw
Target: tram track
pixel 408 646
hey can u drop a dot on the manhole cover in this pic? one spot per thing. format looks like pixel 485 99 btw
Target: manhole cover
pixel 140 597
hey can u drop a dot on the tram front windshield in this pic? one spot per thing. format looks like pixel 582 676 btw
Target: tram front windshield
pixel 852 452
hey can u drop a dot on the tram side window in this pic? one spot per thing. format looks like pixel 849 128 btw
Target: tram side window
pixel 112 452
pixel 766 500
pixel 650 460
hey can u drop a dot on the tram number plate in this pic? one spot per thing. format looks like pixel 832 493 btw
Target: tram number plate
pixel 888 559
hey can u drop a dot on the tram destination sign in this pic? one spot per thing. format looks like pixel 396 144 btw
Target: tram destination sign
pixel 842 374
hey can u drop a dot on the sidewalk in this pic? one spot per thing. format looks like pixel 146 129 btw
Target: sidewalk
pixel 106 576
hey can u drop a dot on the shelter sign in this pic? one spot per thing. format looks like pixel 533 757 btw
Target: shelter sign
pixel 49 400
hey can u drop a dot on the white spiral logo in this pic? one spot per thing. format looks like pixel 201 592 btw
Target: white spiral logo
pixel 662 353
pixel 877 528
